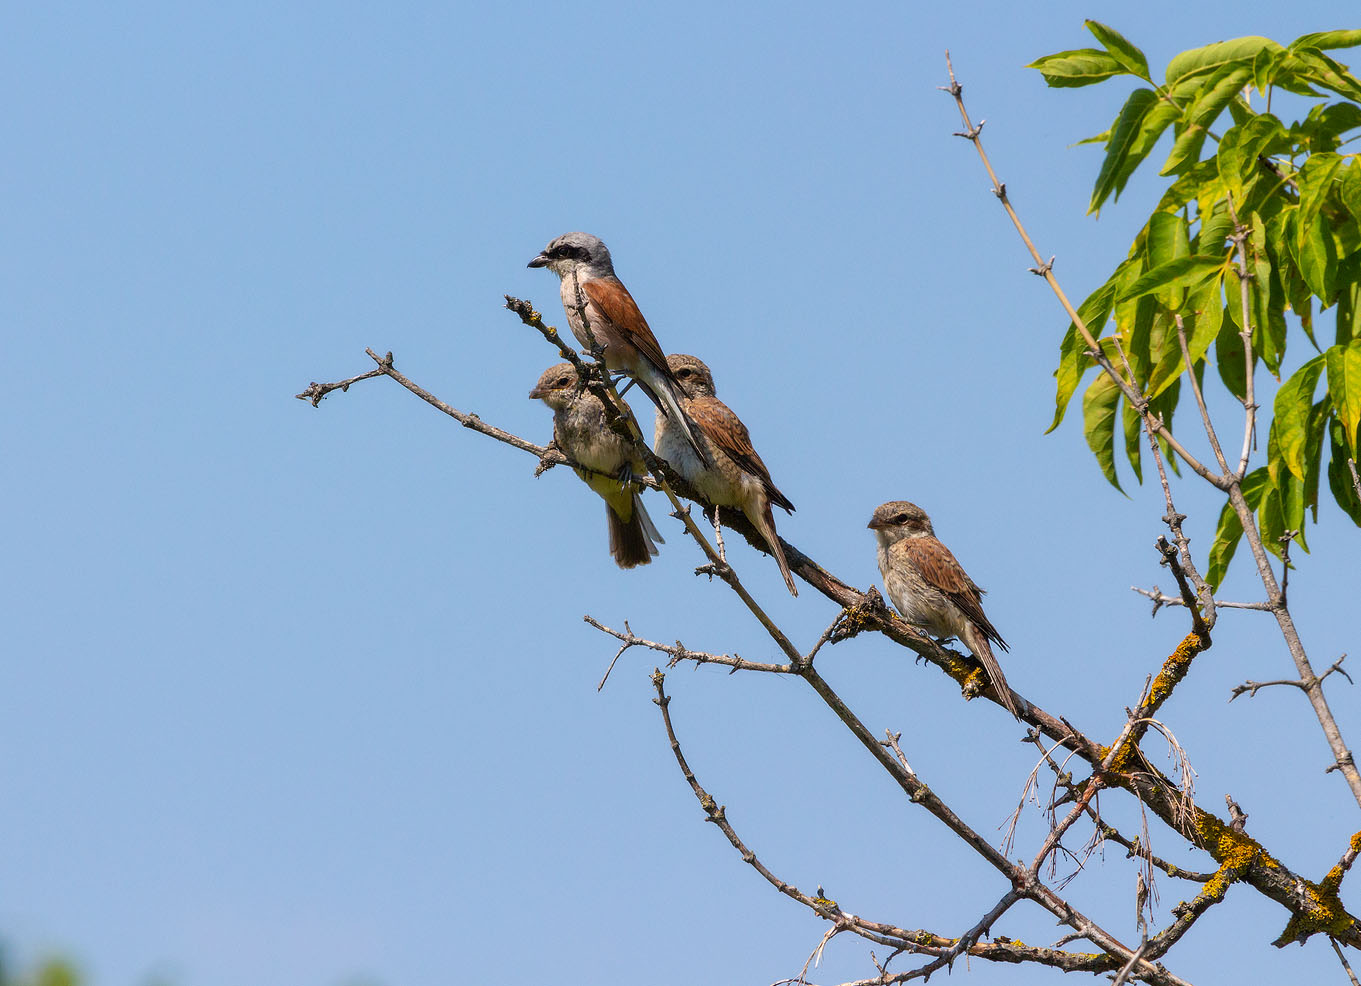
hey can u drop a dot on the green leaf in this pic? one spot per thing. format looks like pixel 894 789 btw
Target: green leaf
pixel 1344 388
pixel 1211 57
pixel 1265 65
pixel 1227 535
pixel 1073 358
pixel 1133 422
pixel 1122 51
pixel 1271 522
pixel 1313 451
pixel 1328 39
pixel 1226 83
pixel 1079 67
pixel 1267 305
pixel 1339 476
pixel 1229 356
pixel 1318 68
pixel 1182 272
pixel 1243 144
pixel 1316 179
pixel 1168 238
pixel 1215 228
pixel 1323 126
pixel 1317 259
pixel 1098 424
pixel 1229 531
pixel 1349 187
pixel 1349 300
pixel 1118 164
pixel 1291 412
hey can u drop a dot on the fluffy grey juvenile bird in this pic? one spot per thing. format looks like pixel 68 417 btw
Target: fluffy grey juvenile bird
pixel 583 265
pixel 580 431
pixel 931 589
pixel 734 475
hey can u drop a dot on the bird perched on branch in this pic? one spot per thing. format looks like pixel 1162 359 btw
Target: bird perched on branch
pixel 733 475
pixel 605 461
pixel 931 589
pixel 593 296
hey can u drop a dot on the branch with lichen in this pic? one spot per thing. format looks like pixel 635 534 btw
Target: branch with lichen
pixel 865 610
pixel 945 950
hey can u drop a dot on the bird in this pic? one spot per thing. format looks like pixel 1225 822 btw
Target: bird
pixel 734 475
pixel 589 287
pixel 604 460
pixel 931 589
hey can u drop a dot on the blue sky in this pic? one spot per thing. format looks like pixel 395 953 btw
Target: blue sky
pixel 304 696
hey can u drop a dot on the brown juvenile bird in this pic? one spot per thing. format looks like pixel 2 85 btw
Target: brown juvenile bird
pixel 734 475
pixel 588 283
pixel 606 462
pixel 931 589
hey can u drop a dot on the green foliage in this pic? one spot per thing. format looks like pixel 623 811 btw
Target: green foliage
pixel 1295 192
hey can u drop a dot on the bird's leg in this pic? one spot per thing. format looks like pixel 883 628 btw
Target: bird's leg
pixel 615 379
pixel 625 475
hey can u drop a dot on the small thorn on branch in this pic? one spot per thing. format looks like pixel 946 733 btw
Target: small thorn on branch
pixel 973 132
pixel 1238 817
pixel 1043 269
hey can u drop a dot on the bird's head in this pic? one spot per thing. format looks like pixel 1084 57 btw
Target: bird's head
pixel 692 374
pixel 558 386
pixel 579 252
pixel 899 519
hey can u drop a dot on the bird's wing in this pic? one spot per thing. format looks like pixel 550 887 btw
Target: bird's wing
pixel 609 295
pixel 940 569
pixel 728 433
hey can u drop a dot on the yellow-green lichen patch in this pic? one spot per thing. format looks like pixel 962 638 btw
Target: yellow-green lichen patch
pixel 1173 671
pixel 1333 879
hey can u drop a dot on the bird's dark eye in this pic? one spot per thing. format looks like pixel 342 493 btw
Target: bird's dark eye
pixel 563 381
pixel 685 373
pixel 900 519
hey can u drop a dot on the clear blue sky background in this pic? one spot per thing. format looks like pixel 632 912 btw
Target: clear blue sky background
pixel 297 696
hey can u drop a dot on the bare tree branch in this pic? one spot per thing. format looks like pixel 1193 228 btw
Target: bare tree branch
pixel 1251 687
pixel 1161 599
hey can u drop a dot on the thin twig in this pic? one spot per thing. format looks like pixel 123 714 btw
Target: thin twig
pixel 679 652
pixel 1343 959
pixel 1240 236
pixel 1161 599
pixel 1046 270
pixel 1227 481
pixel 1251 687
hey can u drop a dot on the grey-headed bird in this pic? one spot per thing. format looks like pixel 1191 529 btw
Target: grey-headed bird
pixel 734 475
pixel 589 285
pixel 606 462
pixel 931 589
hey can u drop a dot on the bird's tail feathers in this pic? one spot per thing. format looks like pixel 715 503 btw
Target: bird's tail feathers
pixel 766 525
pixel 632 540
pixel 978 643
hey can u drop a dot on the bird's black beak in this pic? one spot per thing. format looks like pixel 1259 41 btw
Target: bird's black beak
pixel 537 393
pixel 874 525
pixel 540 261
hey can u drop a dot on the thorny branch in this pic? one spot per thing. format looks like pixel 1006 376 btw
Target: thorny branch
pixel 1251 687
pixel 1161 599
pixel 944 950
pixel 861 611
